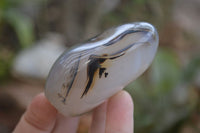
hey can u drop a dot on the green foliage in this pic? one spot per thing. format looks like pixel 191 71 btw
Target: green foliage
pixel 155 94
pixel 5 63
pixel 10 14
pixel 21 23
pixel 7 4
pixel 191 69
pixel 165 71
pixel 140 1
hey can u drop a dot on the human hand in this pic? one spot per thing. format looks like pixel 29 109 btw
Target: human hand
pixel 113 116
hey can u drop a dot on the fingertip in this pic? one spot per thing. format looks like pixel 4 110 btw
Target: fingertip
pixel 120 113
pixel 40 113
pixel 121 100
pixel 41 106
pixel 40 116
pixel 122 96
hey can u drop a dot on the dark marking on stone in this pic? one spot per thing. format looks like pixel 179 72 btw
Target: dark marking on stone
pixel 101 71
pixel 94 64
pixel 106 74
pixel 73 73
pixel 122 35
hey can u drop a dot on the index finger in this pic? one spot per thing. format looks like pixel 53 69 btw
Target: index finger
pixel 40 117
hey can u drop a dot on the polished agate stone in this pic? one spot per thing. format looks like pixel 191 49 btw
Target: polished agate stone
pixel 85 76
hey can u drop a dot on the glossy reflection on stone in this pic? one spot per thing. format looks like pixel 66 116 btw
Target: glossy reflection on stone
pixel 86 76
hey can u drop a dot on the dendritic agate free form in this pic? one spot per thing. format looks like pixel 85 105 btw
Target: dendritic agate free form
pixel 86 76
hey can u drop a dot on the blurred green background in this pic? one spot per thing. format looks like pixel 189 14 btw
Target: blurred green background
pixel 33 34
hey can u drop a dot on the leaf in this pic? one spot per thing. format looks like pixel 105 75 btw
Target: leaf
pixel 23 27
pixel 191 69
pixel 165 70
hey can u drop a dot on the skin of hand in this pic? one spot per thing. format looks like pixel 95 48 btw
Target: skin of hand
pixel 113 116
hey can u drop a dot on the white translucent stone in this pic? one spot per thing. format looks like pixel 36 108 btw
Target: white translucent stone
pixel 86 76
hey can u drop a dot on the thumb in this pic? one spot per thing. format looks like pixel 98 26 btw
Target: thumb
pixel 40 117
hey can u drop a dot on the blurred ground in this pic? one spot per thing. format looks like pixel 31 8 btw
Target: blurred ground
pixel 166 97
